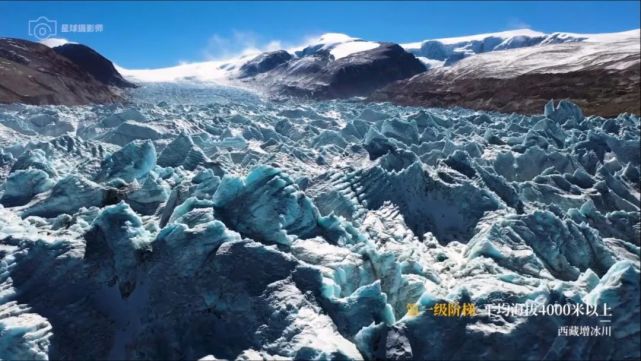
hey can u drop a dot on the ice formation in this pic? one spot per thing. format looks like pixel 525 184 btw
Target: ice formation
pixel 243 229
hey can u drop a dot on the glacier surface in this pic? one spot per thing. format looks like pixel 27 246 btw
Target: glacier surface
pixel 211 224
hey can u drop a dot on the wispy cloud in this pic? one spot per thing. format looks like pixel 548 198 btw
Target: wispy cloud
pixel 517 23
pixel 239 43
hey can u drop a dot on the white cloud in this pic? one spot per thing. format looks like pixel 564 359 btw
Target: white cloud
pixel 53 42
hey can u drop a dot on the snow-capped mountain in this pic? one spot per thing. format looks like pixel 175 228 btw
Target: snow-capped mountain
pixel 338 45
pixel 598 71
pixel 606 51
pixel 225 71
pixel 434 53
pixel 447 51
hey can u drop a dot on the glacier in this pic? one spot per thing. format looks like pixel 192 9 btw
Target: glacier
pixel 209 223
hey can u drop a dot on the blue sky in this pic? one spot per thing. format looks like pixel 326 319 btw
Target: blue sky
pixel 154 34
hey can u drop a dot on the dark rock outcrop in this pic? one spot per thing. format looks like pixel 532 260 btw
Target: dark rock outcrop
pixel 33 73
pixel 93 63
pixel 264 62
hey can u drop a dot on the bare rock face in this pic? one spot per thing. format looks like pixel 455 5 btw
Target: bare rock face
pixel 602 78
pixel 33 73
pixel 264 62
pixel 601 92
pixel 93 63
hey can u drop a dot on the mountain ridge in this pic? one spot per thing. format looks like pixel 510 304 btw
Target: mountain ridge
pixel 219 69
pixel 601 75
pixel 511 71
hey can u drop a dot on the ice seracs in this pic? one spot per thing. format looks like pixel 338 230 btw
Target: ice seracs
pixel 245 229
pixel 24 335
pixel 133 161
pixel 273 208
pixel 117 233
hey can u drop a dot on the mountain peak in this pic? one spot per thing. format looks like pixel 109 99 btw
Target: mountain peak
pixel 334 38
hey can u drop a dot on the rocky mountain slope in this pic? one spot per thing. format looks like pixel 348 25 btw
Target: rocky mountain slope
pixel 33 73
pixel 87 59
pixel 600 73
